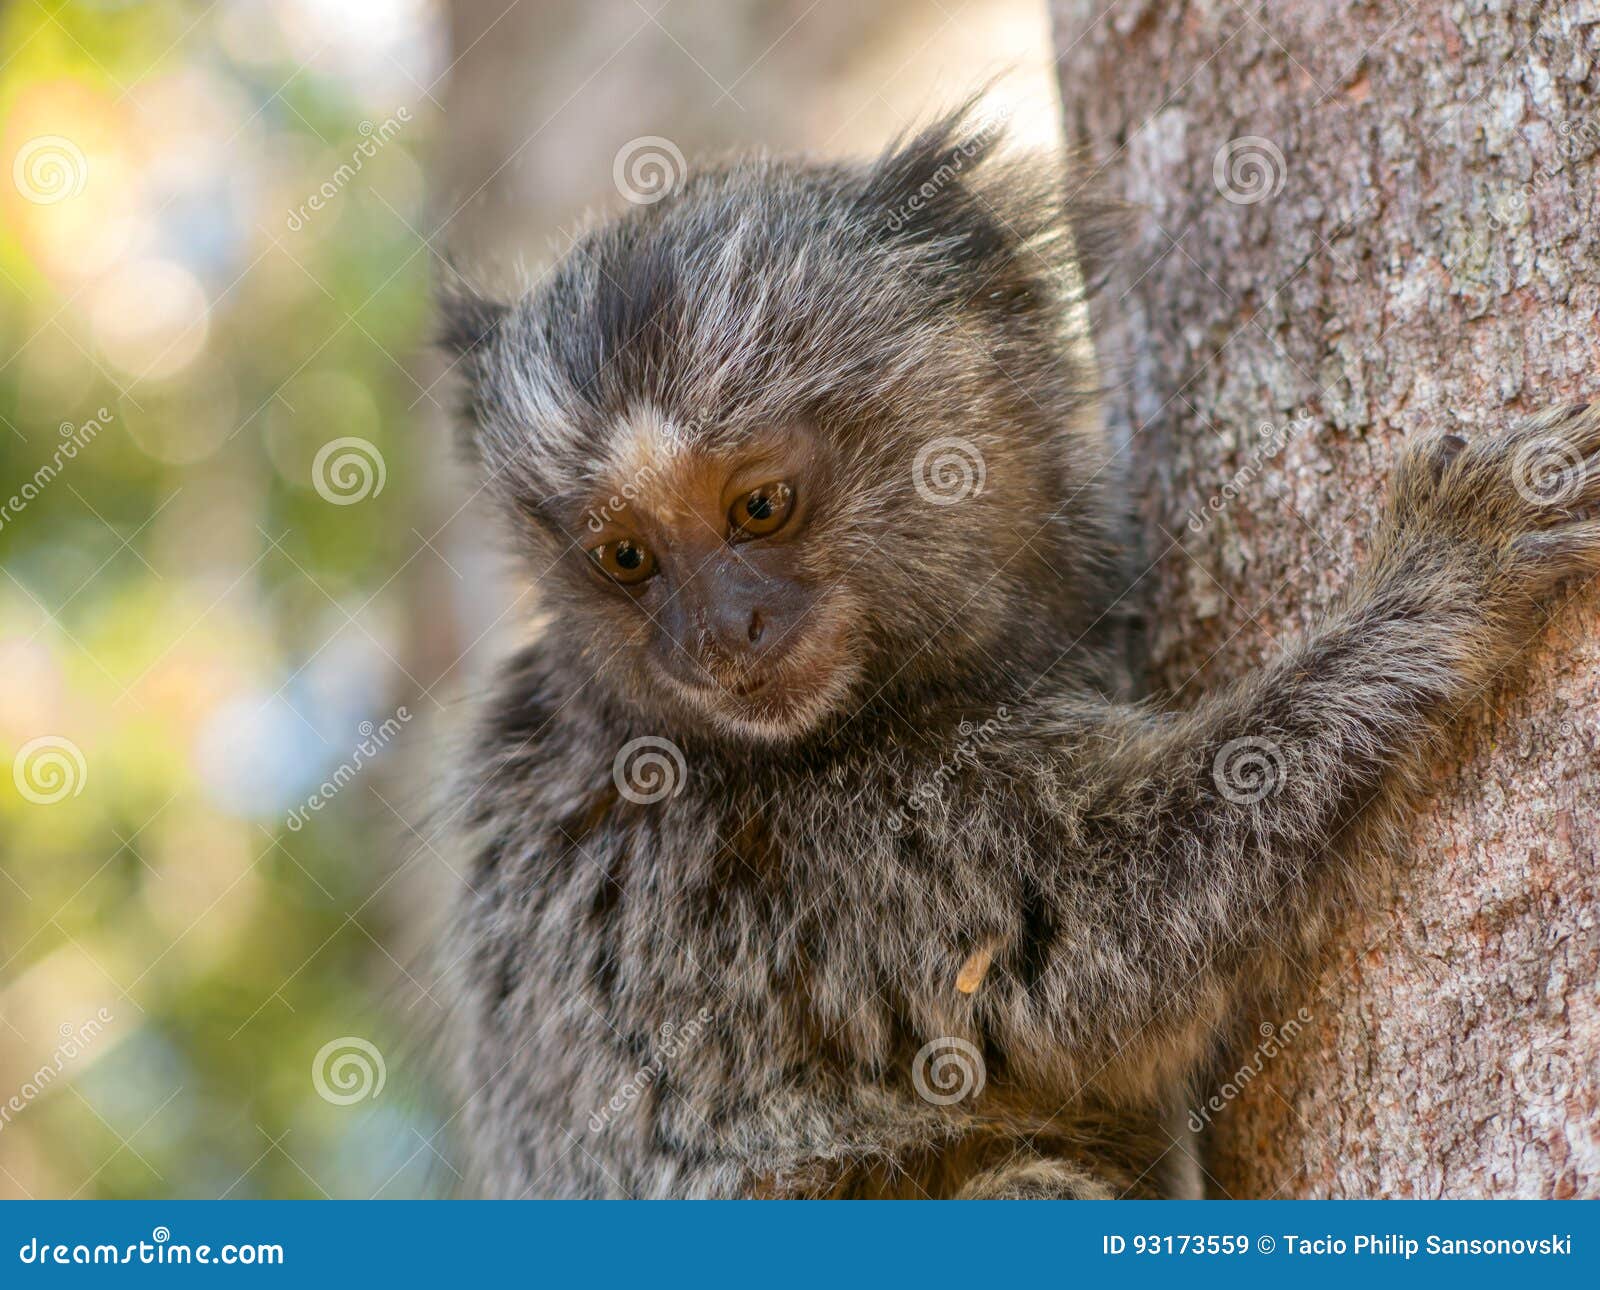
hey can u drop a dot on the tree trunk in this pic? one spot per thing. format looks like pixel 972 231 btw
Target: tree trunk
pixel 1363 221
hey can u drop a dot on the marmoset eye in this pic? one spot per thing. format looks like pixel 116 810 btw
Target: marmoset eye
pixel 761 511
pixel 625 561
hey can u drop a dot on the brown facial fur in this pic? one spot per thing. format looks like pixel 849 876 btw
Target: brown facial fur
pixel 749 633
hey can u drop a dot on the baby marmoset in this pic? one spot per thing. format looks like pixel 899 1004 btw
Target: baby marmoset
pixel 814 846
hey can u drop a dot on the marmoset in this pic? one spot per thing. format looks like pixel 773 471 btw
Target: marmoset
pixel 815 845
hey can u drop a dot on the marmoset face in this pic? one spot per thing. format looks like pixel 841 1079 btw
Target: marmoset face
pixel 794 439
pixel 714 557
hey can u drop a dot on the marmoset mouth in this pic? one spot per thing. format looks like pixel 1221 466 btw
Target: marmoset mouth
pixel 791 664
pixel 750 686
pixel 769 687
pixel 780 699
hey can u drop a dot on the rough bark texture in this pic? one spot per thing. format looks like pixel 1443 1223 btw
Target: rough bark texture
pixel 1427 254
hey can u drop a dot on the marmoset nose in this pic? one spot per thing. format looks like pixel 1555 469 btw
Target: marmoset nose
pixel 740 612
pixel 737 626
pixel 732 610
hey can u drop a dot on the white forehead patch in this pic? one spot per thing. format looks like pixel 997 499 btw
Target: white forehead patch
pixel 648 449
pixel 646 440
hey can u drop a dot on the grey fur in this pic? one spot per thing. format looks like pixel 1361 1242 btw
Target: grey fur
pixel 749 986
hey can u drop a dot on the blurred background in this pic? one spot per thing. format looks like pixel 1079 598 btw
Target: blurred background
pixel 245 591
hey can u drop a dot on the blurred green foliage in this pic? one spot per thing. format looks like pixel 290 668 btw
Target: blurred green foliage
pixel 191 631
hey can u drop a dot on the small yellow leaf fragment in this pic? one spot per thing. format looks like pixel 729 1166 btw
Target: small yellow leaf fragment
pixel 974 969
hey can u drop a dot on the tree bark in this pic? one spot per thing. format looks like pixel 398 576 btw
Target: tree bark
pixel 1425 254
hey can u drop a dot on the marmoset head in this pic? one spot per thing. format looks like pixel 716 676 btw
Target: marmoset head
pixel 797 435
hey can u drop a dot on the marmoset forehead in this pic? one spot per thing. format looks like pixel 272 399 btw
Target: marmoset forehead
pixel 648 443
pixel 665 462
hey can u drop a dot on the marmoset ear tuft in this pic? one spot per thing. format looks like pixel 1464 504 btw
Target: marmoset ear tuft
pixel 464 318
pixel 918 184
pixel 1006 231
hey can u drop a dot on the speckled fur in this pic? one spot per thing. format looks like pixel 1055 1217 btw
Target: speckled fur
pixel 725 992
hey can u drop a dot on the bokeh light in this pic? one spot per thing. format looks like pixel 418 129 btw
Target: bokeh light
pixel 240 589
pixel 189 634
